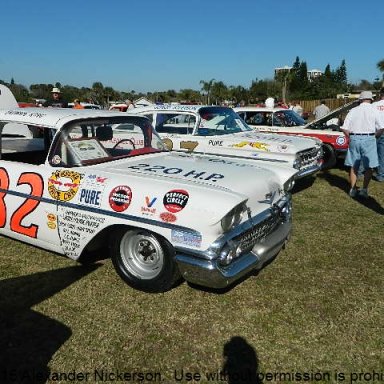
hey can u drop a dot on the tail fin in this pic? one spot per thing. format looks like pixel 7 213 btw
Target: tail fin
pixel 7 100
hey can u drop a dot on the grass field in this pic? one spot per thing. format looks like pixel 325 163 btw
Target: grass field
pixel 315 314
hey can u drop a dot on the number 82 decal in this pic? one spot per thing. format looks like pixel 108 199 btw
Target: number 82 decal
pixel 35 181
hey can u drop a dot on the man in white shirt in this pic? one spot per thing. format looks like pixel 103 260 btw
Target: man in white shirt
pixel 270 102
pixel 362 125
pixel 321 110
pixel 298 109
pixel 379 105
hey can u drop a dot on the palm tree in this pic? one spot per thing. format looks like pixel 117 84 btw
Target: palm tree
pixel 206 87
pixel 380 67
pixel 98 92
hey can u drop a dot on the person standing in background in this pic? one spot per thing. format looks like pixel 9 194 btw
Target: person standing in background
pixel 321 110
pixel 56 101
pixel 270 102
pixel 298 109
pixel 362 125
pixel 379 105
pixel 130 104
pixel 77 105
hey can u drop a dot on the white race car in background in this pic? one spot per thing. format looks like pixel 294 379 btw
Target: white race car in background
pixel 219 130
pixel 102 183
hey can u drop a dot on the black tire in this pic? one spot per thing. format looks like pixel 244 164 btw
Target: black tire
pixel 143 260
pixel 329 156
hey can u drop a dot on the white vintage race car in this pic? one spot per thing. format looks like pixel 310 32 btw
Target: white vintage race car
pixel 102 183
pixel 220 131
pixel 287 122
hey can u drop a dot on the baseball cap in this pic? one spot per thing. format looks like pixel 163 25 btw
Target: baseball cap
pixel 55 90
pixel 366 95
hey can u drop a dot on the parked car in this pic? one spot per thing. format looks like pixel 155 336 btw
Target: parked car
pixel 86 105
pixel 287 122
pixel 219 130
pixel 103 183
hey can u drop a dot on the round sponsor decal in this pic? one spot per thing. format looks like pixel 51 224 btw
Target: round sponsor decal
pixel 340 140
pixel 56 160
pixel 64 184
pixel 51 217
pixel 51 225
pixel 175 200
pixel 120 198
pixel 168 217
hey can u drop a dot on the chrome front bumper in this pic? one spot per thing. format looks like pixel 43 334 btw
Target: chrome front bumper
pixel 307 171
pixel 209 272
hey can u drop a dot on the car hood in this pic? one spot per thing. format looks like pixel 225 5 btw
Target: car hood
pixel 336 112
pixel 275 143
pixel 234 181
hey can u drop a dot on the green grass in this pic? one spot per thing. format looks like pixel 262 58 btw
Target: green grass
pixel 318 307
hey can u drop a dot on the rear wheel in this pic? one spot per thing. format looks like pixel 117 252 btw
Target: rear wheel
pixel 329 156
pixel 143 260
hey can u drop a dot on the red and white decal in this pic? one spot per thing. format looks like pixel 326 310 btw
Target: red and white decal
pixel 120 198
pixel 175 200
pixel 168 217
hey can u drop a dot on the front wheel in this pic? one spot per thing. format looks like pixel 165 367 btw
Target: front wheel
pixel 143 260
pixel 329 156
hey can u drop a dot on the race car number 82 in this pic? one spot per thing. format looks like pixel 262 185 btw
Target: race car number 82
pixel 36 183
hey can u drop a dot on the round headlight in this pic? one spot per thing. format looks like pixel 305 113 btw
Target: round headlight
pixel 288 185
pixel 227 221
pixel 232 218
pixel 297 163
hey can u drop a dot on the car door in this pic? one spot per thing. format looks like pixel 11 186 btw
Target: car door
pixel 27 210
pixel 176 129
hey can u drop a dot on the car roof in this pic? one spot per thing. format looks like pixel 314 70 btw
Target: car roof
pixel 259 109
pixel 173 107
pixel 54 118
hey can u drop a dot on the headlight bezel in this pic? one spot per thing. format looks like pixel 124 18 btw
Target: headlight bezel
pixel 297 163
pixel 289 184
pixel 233 217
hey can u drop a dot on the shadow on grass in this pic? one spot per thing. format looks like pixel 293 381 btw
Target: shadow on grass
pixel 241 364
pixel 303 183
pixel 28 339
pixel 343 184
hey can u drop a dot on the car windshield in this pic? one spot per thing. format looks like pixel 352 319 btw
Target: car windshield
pixel 282 118
pixel 93 141
pixel 220 121
pixel 287 118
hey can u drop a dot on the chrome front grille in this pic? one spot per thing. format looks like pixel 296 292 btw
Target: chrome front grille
pixel 254 235
pixel 309 157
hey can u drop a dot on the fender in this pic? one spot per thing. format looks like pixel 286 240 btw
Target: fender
pixel 7 100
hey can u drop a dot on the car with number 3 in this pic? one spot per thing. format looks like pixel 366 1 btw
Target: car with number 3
pixel 102 183
pixel 219 130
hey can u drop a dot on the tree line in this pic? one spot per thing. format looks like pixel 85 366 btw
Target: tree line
pixel 286 86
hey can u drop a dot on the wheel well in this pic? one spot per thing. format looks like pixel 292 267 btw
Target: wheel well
pixel 98 247
pixel 329 155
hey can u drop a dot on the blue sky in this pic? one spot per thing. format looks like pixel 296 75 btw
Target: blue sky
pixel 148 45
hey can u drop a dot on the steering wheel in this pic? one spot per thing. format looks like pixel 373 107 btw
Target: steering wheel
pixel 122 140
